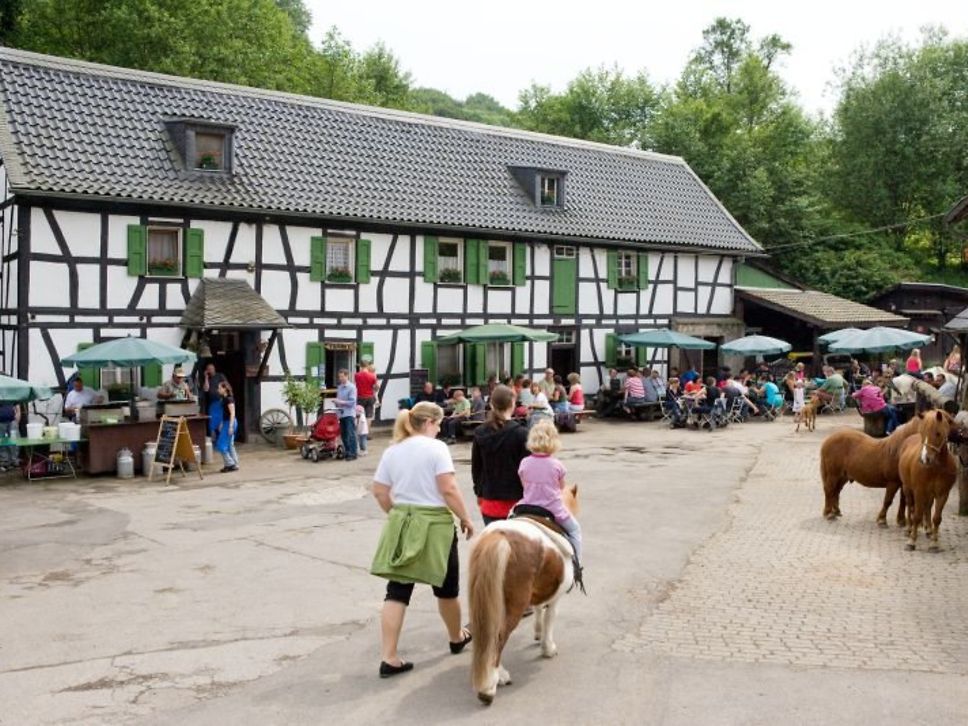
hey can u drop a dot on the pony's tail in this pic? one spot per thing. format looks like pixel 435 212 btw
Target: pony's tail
pixel 488 564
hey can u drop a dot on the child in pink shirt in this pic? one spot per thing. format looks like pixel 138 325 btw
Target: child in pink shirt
pixel 543 478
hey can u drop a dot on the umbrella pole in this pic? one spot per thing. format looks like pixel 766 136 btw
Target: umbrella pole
pixel 131 406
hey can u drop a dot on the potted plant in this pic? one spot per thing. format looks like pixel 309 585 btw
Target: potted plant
pixel 339 274
pixel 209 162
pixel 164 266
pixel 499 277
pixel 303 396
pixel 451 275
pixel 628 282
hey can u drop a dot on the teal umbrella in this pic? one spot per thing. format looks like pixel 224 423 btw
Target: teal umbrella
pixel 836 335
pixel 751 345
pixel 15 390
pixel 878 340
pixel 499 333
pixel 665 338
pixel 128 352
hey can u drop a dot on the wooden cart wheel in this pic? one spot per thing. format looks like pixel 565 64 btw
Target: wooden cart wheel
pixel 273 424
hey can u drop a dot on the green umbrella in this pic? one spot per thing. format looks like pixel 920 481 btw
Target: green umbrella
pixel 499 333
pixel 128 352
pixel 836 335
pixel 878 340
pixel 665 338
pixel 751 345
pixel 15 390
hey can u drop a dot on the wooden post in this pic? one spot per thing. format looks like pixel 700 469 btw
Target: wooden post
pixel 931 395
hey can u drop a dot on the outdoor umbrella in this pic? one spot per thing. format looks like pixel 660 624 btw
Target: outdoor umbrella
pixel 878 340
pixel 499 333
pixel 665 338
pixel 751 345
pixel 15 390
pixel 834 335
pixel 128 352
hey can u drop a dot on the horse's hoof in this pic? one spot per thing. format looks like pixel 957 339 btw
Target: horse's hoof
pixel 831 516
pixel 909 547
pixel 486 698
pixel 550 652
pixel 882 523
pixel 934 548
pixel 504 678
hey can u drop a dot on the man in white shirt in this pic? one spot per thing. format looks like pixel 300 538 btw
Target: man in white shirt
pixel 949 387
pixel 78 398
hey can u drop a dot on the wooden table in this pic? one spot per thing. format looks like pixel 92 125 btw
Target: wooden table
pixel 60 464
pixel 104 441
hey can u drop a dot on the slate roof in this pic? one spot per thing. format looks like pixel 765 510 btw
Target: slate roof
pixel 959 323
pixel 71 128
pixel 820 308
pixel 223 303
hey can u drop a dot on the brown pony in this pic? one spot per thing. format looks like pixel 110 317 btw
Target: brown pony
pixel 850 455
pixel 928 471
pixel 515 564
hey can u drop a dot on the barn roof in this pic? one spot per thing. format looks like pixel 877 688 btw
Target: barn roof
pixel 81 130
pixel 820 308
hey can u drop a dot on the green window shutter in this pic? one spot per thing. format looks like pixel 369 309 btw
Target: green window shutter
pixel 363 247
pixel 471 251
pixel 430 259
pixel 483 271
pixel 137 250
pixel 428 359
pixel 611 343
pixel 151 375
pixel 317 259
pixel 517 358
pixel 480 363
pixel 612 269
pixel 366 350
pixel 641 355
pixel 90 376
pixel 520 263
pixel 194 253
pixel 643 270
pixel 315 356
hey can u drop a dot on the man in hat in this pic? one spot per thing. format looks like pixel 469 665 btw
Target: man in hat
pixel 176 389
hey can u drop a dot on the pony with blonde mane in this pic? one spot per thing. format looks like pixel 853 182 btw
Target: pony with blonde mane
pixel 928 471
pixel 515 563
pixel 851 455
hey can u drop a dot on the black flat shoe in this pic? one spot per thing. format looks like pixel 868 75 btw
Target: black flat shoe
pixel 456 648
pixel 387 670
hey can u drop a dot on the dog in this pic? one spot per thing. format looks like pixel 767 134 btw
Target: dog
pixel 808 415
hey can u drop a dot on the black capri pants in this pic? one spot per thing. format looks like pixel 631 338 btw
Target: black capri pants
pixel 449 589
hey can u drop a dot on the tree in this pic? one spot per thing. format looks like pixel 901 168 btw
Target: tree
pixel 599 105
pixel 384 82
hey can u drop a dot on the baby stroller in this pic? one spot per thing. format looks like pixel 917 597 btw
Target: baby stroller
pixel 324 440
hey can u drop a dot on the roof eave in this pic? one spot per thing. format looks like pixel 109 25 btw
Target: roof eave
pixel 29 194
pixel 745 293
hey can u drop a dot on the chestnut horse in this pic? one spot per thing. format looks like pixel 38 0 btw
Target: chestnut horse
pixel 850 455
pixel 928 471
pixel 515 563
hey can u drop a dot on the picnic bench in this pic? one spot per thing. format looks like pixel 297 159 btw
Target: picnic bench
pixel 648 411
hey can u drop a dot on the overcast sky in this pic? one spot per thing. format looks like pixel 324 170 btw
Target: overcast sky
pixel 499 47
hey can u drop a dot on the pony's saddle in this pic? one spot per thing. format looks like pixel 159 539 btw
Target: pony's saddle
pixel 544 518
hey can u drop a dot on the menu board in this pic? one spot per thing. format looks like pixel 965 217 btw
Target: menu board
pixel 418 376
pixel 167 438
pixel 174 444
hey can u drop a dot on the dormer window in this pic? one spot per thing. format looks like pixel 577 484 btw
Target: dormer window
pixel 545 188
pixel 549 190
pixel 203 147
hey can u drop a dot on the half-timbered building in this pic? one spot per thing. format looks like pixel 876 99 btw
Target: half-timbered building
pixel 369 231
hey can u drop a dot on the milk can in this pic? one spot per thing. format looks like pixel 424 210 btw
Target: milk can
pixel 197 450
pixel 147 456
pixel 208 453
pixel 125 464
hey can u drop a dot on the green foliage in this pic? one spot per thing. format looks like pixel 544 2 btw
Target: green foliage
pixel 477 107
pixel 303 395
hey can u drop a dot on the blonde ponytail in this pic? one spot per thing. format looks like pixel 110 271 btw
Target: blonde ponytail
pixel 409 422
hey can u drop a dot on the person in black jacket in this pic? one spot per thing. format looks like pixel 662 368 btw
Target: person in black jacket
pixel 500 444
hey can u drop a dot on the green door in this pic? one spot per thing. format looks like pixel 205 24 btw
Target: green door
pixel 564 272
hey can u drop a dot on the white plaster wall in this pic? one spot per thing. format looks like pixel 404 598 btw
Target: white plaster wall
pixel 50 285
pixel 475 300
pixel 702 298
pixel 81 230
pixel 400 261
pixel 296 339
pixel 396 296
pixel 272 252
pixel 687 270
pixel 339 299
pixel 542 292
pixel 626 303
pixel 542 259
pixel 588 298
pixel 450 300
pixel 499 300
pixel 686 302
pixel 41 236
pixel 275 288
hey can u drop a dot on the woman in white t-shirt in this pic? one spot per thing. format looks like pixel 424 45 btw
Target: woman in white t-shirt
pixel 414 473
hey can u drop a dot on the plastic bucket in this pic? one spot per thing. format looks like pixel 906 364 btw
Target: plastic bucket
pixel 35 430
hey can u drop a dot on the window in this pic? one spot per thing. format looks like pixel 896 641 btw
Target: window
pixel 498 263
pixel 497 359
pixel 209 151
pixel 627 270
pixel 566 336
pixel 448 363
pixel 164 246
pixel 450 264
pixel 117 382
pixel 549 191
pixel 624 355
pixel 339 259
pixel 563 252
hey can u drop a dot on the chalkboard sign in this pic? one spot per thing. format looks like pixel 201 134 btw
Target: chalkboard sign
pixel 167 438
pixel 418 376
pixel 174 444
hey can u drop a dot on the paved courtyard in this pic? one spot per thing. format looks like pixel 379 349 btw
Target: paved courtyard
pixel 717 595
